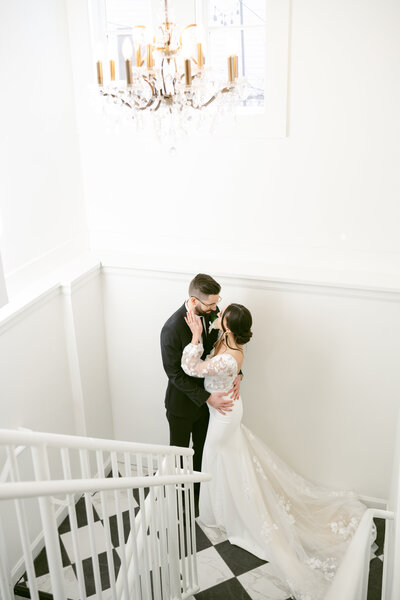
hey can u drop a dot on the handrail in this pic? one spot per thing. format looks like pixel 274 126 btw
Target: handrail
pixel 33 489
pixel 13 436
pixel 163 524
pixel 351 579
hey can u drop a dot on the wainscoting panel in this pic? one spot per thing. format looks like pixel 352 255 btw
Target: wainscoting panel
pixel 321 379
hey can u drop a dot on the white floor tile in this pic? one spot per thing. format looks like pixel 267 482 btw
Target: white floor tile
pixel 84 541
pixel 259 584
pixel 110 502
pixel 70 584
pixel 211 568
pixel 215 535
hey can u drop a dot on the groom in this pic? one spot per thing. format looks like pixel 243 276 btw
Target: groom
pixel 186 399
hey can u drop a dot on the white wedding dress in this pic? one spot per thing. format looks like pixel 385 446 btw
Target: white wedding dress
pixel 266 508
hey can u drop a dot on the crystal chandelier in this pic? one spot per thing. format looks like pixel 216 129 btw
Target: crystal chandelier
pixel 169 87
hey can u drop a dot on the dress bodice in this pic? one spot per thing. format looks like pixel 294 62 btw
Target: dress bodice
pixel 219 371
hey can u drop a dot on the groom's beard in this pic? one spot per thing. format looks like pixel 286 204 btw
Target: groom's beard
pixel 202 313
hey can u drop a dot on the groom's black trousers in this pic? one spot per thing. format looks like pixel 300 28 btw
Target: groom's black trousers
pixel 180 429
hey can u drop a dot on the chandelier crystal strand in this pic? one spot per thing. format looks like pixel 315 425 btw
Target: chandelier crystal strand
pixel 167 85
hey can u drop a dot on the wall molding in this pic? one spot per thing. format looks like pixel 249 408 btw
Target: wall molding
pixel 36 268
pixel 261 282
pixel 16 311
pixel 62 282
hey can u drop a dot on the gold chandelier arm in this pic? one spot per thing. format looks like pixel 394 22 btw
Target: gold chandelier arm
pixel 149 103
pixel 200 106
pixel 187 26
pixel 153 95
pixel 158 105
pixel 124 102
pixel 149 83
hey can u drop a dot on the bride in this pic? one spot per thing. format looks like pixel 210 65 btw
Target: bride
pixel 263 506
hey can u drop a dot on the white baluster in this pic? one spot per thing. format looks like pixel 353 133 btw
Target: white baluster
pixel 161 525
pixel 106 525
pixel 192 527
pixel 74 525
pixel 50 529
pixel 6 590
pixel 146 561
pixel 188 522
pixel 22 526
pixel 179 492
pixel 84 460
pixel 133 567
pixel 120 527
pixel 154 543
pixel 172 524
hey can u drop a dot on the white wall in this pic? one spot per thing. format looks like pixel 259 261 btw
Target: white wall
pixel 321 381
pixel 3 289
pixel 53 376
pixel 53 371
pixel 41 187
pixel 321 203
pixel 87 303
pixel 34 374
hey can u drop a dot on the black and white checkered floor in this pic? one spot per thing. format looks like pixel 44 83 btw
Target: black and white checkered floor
pixel 226 572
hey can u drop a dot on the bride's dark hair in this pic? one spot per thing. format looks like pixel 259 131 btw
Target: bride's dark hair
pixel 238 321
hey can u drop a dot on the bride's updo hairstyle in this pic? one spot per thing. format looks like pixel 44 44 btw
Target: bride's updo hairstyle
pixel 238 320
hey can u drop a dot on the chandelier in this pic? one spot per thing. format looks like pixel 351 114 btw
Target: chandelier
pixel 167 85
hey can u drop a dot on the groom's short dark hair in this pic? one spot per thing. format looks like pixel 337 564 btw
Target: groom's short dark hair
pixel 203 285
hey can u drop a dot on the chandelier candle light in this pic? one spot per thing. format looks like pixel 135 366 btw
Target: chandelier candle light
pixel 170 81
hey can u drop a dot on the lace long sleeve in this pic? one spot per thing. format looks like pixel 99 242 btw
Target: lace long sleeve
pixel 195 367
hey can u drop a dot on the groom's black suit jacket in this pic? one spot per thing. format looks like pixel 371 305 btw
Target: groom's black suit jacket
pixel 185 396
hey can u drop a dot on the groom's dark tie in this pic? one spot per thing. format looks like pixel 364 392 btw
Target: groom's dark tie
pixel 205 332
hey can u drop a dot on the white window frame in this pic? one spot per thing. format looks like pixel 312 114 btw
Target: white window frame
pixel 269 121
pixel 202 18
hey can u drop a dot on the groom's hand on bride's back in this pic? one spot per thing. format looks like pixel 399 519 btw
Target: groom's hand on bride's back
pixel 235 391
pixel 220 402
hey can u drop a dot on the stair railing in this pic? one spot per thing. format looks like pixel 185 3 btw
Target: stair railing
pixel 156 534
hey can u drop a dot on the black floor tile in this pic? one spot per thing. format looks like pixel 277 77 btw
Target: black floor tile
pixel 202 541
pixel 375 579
pixel 380 535
pixel 65 526
pixel 104 574
pixel 66 561
pixel 228 590
pixel 114 528
pixel 81 513
pixel 136 494
pixel 238 560
pixel 41 565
